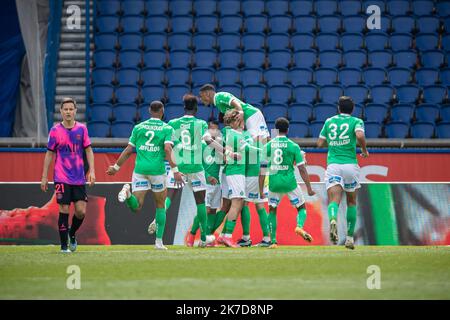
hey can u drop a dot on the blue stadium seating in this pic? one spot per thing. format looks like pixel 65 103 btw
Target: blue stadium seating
pixel 252 7
pixel 399 76
pixel 105 41
pixel 229 7
pixel 279 58
pixel 200 76
pixel 434 94
pixel 422 130
pixel 125 112
pixel 330 93
pixel 445 113
pixel 151 93
pixel 173 111
pixel 385 25
pixel 155 41
pixel 298 129
pixel 325 76
pixel 182 23
pixel 354 58
pixel 376 41
pixel 358 93
pixel 354 24
pixel 229 41
pixel 427 41
pixel 300 112
pixel 443 8
pixel 427 112
pixel 405 58
pixel 380 3
pixel 175 93
pixel 205 58
pixel 315 127
pixel 397 130
pixel 422 7
pixel 157 7
pixel 253 58
pixel 326 7
pixel 302 41
pixel 143 113
pixel 350 7
pixel 153 76
pixel 133 23
pixel 445 76
pixel 251 76
pixel 407 93
pixel 277 7
pixel 277 41
pixel 130 41
pixel 102 93
pixel 300 76
pixel 100 129
pixel 349 76
pixel 403 24
pixel 432 58
pixel 330 58
pixel 255 23
pixel 276 76
pixel 253 41
pixel 179 40
pixel 301 7
pixel 205 7
pixel 204 41
pixel 227 76
pixel 230 58
pixel 128 76
pixel 180 7
pixel 109 7
pixel 305 58
pixel 428 24
pixel 402 112
pixel 352 41
pixel 358 111
pixel 381 94
pixel 327 41
pixel 427 76
pixel 280 24
pixel 400 41
pixel 155 58
pixel 279 94
pixel 157 23
pixel 254 94
pixel 372 129
pixel 304 24
pixel 329 23
pixel 121 129
pixel 205 113
pixel 127 94
pixel 108 23
pixel 273 111
pixel 100 112
pixel 323 111
pixel 398 7
pixel 103 75
pixel 305 93
pixel 207 24
pixel 235 90
pixel 177 76
pixel 374 76
pixel 380 58
pixel 443 130
pixel 231 23
pixel 376 112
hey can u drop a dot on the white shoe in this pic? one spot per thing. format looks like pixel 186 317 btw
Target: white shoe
pixel 202 244
pixel 210 239
pixel 125 193
pixel 152 227
pixel 349 243
pixel 65 251
pixel 160 246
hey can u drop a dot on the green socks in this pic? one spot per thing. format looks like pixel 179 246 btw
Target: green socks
pixel 333 208
pixel 132 203
pixel 245 221
pixel 220 215
pixel 195 226
pixel 201 214
pixel 351 220
pixel 301 217
pixel 167 203
pixel 211 220
pixel 229 227
pixel 263 220
pixel 160 222
pixel 273 226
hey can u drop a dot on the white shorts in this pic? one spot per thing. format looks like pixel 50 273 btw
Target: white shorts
pixel 295 196
pixel 236 186
pixel 345 175
pixel 256 125
pixel 142 182
pixel 196 180
pixel 252 190
pixel 224 186
pixel 213 196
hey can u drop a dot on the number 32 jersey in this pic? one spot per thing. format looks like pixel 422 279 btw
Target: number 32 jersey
pixel 149 138
pixel 340 133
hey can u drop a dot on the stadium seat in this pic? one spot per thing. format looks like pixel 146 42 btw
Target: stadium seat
pixel 382 94
pixel 130 41
pixel 125 112
pixel 255 23
pixel 399 76
pixel 279 58
pixel 230 23
pixel 251 76
pixel 329 23
pixel 253 58
pixel 445 112
pixel 235 90
pixel 104 75
pixel 422 130
pixel 358 93
pixel 300 112
pixel 444 75
pixel 102 93
pixel 407 93
pixel 229 7
pixel 175 93
pixel 253 7
pixel 327 41
pixel 177 76
pixel 323 111
pixel 127 94
pixel 227 76
pixel 300 76
pixel 277 7
pixel 350 7
pixel 432 58
pixel 422 7
pixel 375 112
pixel 325 76
pixel 426 41
pixel 358 110
pixel 121 129
pixel 349 76
pixel 398 7
pixel 100 112
pixel 157 23
pixel 204 41
pixel 143 113
pixel 205 7
pixel 301 7
pixel 173 111
pixel 99 129
pixel 207 24
pixel 105 41
pixel 427 76
pixel 279 94
pixel 277 41
pixel 182 23
pixel 298 129
pixel 110 7
pixel 107 23
pixel 153 76
pixel 385 25
pixel 276 76
pixel 280 24
pixel 151 93
pixel 304 24
pixel 443 130
pixel 205 113
pixel 200 76
pixel 155 58
pixel 402 112
pixel 330 58
pixel 428 24
pixel 403 24
pixel 205 58
pixel 271 128
pixel 254 94
pixel 180 7
pixel 230 58
pixel 326 7
pixel 305 58
pixel 330 93
pixel 352 41
pixel 434 94
pixel 380 58
pixel 305 93
pixel 427 112
pixel 374 76
pixel 253 41
pixel 302 41
pixel 443 8
pixel 128 76
pixel 354 24
pixel 354 59
pixel 273 111
pixel 372 129
pixel 157 7
pixel 155 41
pixel 179 40
pixel 405 58
pixel 400 41
pixel 376 41
pixel 380 3
pixel 397 130
pixel 315 127
pixel 133 23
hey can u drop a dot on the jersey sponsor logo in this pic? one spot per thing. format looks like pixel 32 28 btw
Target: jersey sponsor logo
pixel 279 145
pixel 196 183
pixel 295 201
pixel 149 148
pixel 336 143
pixel 278 167
pixel 253 195
pixel 142 184
pixel 157 186
pixel 148 127
pixel 230 192
pixel 350 185
pixel 274 201
pixel 335 179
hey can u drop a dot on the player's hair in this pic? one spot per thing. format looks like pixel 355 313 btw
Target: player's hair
pixel 230 116
pixel 282 125
pixel 68 100
pixel 346 104
pixel 213 121
pixel 207 87
pixel 156 106
pixel 190 102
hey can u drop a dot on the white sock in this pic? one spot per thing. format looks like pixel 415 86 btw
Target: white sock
pixel 228 235
pixel 246 237
pixel 266 239
pixel 159 241
pixel 349 238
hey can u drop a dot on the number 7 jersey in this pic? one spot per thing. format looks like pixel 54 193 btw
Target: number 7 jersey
pixel 340 133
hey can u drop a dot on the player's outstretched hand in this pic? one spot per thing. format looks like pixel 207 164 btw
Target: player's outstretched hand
pixel 111 171
pixel 178 179
pixel 91 178
pixel 213 181
pixel 365 154
pixel 44 184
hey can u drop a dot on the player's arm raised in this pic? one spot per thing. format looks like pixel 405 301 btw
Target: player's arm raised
pixel 126 153
pixel 47 160
pixel 90 160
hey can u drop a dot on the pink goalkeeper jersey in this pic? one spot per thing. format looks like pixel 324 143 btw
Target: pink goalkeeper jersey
pixel 69 144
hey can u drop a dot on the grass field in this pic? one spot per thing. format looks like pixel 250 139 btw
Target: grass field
pixel 140 272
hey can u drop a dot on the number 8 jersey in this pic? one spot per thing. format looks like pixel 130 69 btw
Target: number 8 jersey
pixel 340 133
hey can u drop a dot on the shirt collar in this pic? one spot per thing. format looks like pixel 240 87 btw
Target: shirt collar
pixel 344 114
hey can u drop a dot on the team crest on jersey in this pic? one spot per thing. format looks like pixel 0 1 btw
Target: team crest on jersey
pixel 59 196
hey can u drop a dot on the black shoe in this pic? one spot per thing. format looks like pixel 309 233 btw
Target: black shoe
pixel 244 243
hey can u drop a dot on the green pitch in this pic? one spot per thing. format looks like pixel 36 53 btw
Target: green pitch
pixel 140 272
